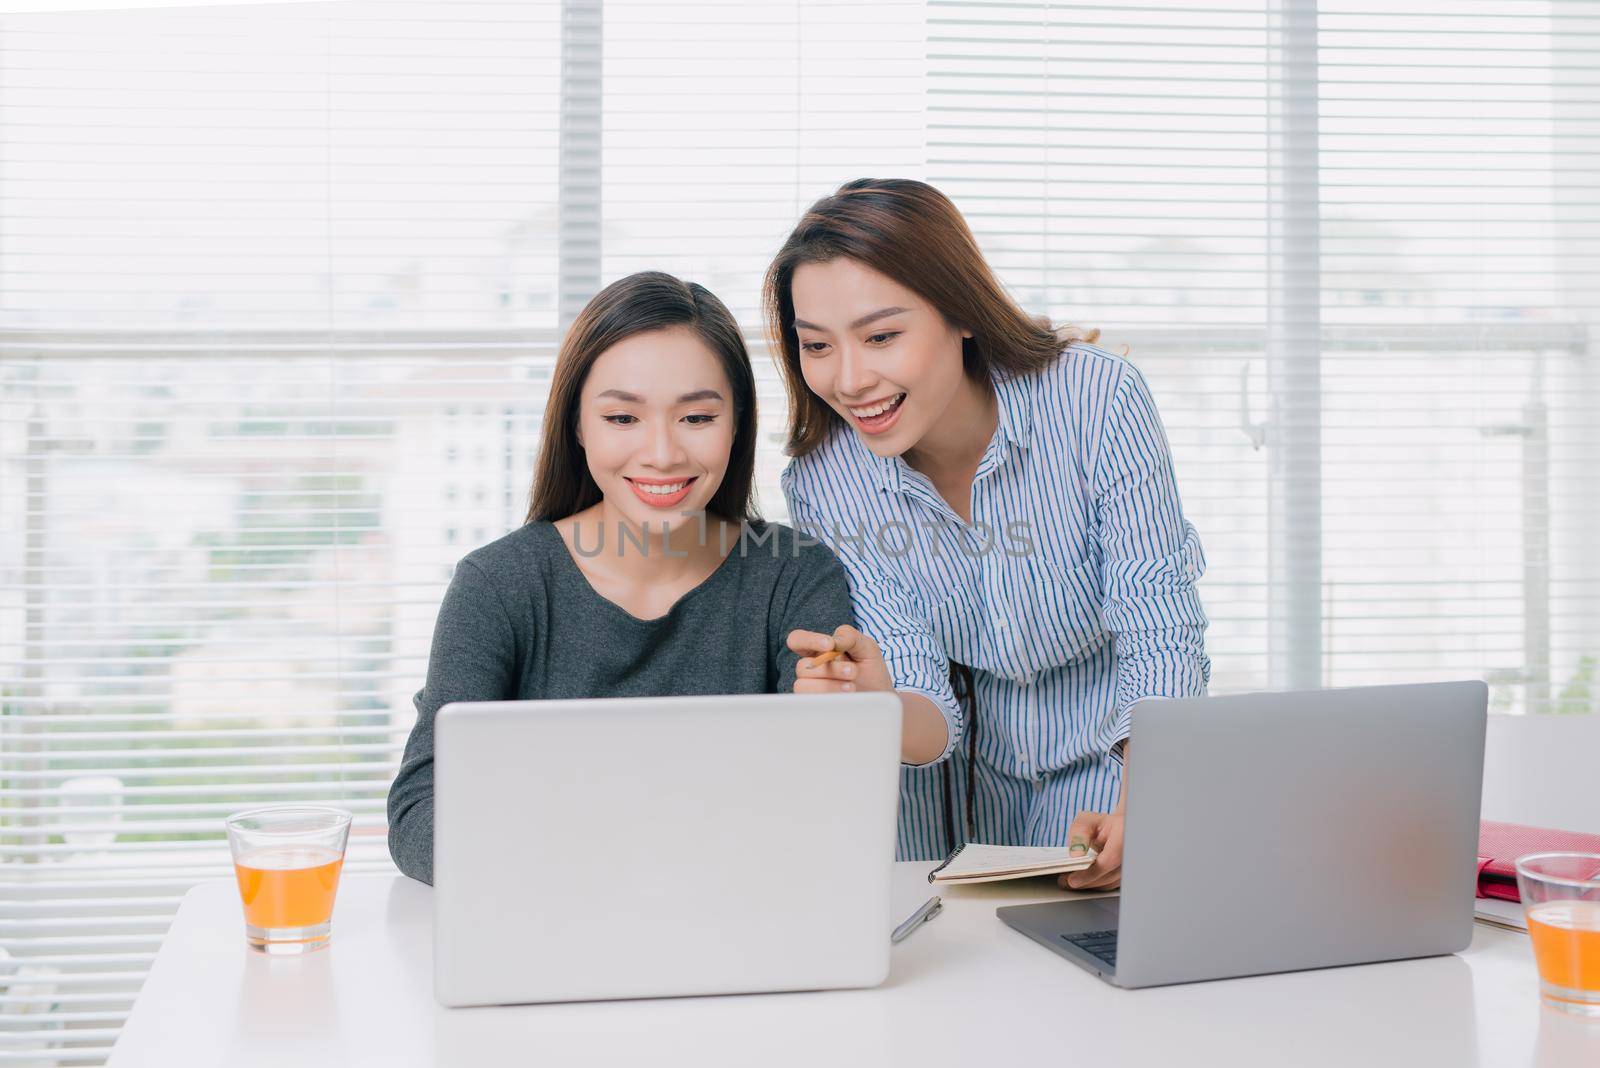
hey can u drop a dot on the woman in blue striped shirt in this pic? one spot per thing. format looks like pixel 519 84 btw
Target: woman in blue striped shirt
pixel 1002 496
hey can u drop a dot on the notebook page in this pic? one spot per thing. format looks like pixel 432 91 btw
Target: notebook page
pixel 978 858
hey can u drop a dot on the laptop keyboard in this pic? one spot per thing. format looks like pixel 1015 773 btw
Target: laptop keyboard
pixel 1099 944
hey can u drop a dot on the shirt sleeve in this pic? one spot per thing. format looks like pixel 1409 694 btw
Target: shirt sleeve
pixel 887 613
pixel 473 658
pixel 1151 560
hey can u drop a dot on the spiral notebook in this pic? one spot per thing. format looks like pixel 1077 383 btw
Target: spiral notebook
pixel 977 862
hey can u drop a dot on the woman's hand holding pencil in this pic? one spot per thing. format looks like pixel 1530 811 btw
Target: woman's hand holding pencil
pixel 842 662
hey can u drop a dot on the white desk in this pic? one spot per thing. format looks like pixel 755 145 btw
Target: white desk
pixel 964 990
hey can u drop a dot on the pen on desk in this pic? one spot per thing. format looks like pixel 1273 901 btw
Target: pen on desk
pixel 929 909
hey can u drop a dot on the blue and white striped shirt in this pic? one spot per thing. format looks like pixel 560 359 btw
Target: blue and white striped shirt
pixel 1071 595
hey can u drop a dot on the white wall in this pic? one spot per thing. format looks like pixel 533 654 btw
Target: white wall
pixel 1543 770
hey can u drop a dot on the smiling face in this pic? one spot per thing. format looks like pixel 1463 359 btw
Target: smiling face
pixel 656 422
pixel 878 354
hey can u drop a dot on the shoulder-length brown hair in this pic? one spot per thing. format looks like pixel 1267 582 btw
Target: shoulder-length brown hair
pixel 637 304
pixel 912 233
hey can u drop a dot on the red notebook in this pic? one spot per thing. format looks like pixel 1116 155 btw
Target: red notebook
pixel 1500 844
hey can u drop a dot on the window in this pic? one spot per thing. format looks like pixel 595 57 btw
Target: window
pixel 266 270
pixel 1347 242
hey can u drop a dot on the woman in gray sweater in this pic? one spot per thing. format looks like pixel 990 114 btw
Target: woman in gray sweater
pixel 642 569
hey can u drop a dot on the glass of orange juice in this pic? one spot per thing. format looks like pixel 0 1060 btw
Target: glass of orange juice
pixel 1561 896
pixel 287 860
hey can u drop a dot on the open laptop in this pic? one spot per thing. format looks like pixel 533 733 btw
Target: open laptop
pixel 642 847
pixel 1275 832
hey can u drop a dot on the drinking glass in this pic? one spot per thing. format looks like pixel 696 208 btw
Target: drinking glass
pixel 287 860
pixel 1561 896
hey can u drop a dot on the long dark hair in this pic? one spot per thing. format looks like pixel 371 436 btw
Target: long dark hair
pixel 912 233
pixel 637 304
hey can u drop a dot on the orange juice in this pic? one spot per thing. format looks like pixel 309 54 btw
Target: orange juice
pixel 288 886
pixel 1566 943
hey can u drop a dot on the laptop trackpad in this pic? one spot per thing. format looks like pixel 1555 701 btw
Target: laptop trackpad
pixel 1058 919
pixel 1076 917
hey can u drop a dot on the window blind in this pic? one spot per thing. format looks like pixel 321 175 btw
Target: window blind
pixel 280 289
pixel 278 299
pixel 724 120
pixel 1354 247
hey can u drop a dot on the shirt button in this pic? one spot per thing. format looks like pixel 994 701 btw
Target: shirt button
pixel 1000 622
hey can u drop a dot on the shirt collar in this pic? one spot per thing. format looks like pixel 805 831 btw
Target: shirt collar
pixel 1016 426
pixel 1015 394
pixel 888 467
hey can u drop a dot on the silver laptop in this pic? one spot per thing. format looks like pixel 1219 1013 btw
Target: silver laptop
pixel 1275 832
pixel 647 847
